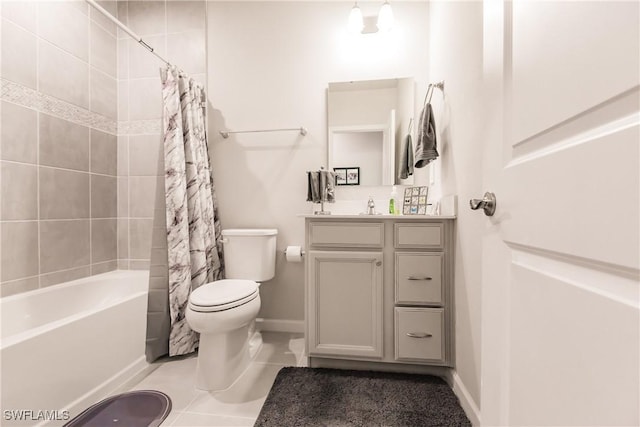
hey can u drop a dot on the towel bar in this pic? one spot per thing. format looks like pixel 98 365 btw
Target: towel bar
pixel 429 94
pixel 225 133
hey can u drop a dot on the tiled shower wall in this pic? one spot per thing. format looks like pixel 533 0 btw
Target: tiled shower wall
pixel 176 31
pixel 58 143
pixel 81 152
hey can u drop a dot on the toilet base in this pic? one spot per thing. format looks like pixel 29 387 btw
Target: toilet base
pixel 222 358
pixel 255 341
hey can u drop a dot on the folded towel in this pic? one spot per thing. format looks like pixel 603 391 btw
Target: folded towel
pixel 405 167
pixel 426 146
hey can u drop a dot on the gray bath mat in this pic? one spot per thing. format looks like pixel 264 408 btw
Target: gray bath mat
pixel 142 408
pixel 332 397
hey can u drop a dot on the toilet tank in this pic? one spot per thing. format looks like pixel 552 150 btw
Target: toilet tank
pixel 250 253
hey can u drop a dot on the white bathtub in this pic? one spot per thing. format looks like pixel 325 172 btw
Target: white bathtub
pixel 67 346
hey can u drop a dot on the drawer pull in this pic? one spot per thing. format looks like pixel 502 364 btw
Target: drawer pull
pixel 419 278
pixel 419 335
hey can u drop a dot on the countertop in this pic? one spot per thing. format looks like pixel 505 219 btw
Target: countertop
pixel 381 216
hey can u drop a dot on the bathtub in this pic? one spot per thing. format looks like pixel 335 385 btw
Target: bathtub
pixel 67 346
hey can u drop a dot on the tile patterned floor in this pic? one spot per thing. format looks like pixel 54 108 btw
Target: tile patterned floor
pixel 240 404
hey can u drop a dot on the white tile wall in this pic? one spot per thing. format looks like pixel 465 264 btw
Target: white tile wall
pixel 58 80
pixel 18 55
pixel 63 24
pixel 176 31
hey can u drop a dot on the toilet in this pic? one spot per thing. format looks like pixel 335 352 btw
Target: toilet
pixel 224 311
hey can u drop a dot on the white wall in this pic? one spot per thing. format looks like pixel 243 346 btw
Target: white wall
pixel 456 58
pixel 269 66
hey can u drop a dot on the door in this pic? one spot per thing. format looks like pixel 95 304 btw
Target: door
pixel 560 311
pixel 345 303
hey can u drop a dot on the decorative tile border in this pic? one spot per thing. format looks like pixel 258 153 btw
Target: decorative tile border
pixel 31 98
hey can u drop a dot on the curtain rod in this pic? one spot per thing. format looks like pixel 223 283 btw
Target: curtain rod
pixel 126 29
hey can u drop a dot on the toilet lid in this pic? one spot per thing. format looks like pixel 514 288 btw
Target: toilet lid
pixel 223 292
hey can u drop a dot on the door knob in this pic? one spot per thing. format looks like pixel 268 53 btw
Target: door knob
pixel 487 203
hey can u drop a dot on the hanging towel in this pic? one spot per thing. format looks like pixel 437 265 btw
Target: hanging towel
pixel 321 186
pixel 405 167
pixel 426 146
pixel 327 186
pixel 313 187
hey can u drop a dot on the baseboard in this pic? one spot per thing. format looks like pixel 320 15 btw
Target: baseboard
pixel 466 401
pixel 280 325
pixel 367 365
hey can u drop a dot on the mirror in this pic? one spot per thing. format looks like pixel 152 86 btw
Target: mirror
pixel 368 122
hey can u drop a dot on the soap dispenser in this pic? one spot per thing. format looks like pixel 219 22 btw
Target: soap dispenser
pixel 393 201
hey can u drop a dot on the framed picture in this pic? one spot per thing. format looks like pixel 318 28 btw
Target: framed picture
pixel 347 176
pixel 341 176
pixel 353 176
pixel 415 201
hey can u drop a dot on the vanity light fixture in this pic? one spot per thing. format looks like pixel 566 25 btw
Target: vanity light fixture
pixel 356 21
pixel 385 17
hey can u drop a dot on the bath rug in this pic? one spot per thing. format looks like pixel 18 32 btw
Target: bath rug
pixel 141 408
pixel 333 397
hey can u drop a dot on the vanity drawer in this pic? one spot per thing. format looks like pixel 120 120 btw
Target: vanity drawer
pixel 419 235
pixel 419 334
pixel 418 278
pixel 346 234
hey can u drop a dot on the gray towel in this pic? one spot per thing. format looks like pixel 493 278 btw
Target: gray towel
pixel 405 167
pixel 327 186
pixel 313 187
pixel 426 147
pixel 321 186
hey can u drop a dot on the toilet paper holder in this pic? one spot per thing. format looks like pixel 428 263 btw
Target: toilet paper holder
pixel 302 252
pixel 294 254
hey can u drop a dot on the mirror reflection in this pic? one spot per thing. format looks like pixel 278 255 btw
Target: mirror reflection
pixel 368 122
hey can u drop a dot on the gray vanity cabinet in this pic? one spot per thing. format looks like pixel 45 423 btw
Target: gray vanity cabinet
pixel 379 290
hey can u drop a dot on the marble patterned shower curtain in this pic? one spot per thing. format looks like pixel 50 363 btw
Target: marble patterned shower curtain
pixel 193 227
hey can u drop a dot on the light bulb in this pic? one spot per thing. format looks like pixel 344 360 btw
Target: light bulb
pixel 356 22
pixel 385 17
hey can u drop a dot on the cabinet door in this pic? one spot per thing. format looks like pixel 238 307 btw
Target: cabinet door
pixel 345 303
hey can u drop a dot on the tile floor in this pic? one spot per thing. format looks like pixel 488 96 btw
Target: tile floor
pixel 240 404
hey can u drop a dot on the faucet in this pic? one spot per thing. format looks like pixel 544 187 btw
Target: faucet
pixel 371 206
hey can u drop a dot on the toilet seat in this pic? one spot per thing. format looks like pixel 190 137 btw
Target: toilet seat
pixel 223 295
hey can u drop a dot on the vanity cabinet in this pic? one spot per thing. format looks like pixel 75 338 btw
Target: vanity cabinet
pixel 379 290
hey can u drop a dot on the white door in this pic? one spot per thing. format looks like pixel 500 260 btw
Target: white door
pixel 560 310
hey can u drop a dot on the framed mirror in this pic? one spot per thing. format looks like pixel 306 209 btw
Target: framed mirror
pixel 367 125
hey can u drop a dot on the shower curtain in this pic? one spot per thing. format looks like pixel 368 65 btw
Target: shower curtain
pixel 194 240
